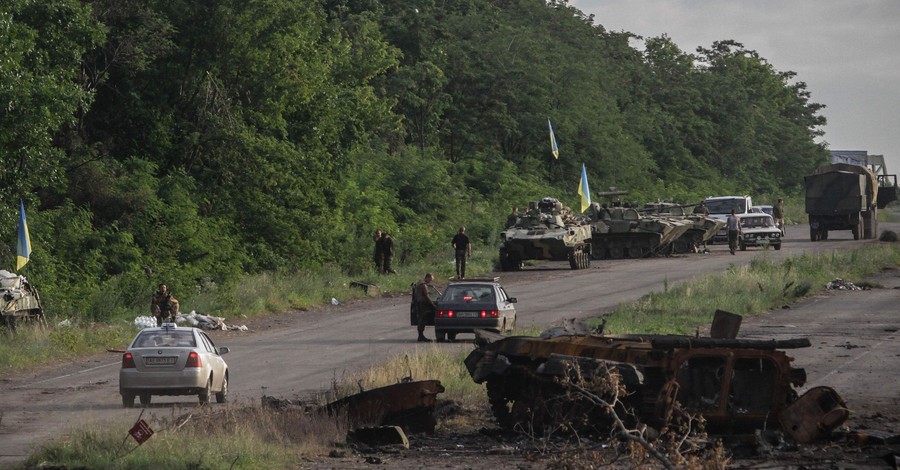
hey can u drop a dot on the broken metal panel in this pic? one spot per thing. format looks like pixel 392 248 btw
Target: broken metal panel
pixel 814 415
pixel 725 325
pixel 409 405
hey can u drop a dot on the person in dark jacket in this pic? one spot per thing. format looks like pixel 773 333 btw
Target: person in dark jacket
pixel 424 305
pixel 463 249
pixel 163 306
pixel 378 251
pixel 387 251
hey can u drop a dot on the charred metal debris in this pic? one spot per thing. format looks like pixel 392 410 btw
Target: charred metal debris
pixel 735 385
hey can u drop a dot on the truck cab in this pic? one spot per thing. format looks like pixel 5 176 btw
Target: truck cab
pixel 720 206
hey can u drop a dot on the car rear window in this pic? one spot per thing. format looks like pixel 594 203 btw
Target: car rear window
pixel 469 294
pixel 165 338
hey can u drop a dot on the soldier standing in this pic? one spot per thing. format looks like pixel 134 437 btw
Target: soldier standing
pixel 424 305
pixel 463 249
pixel 378 251
pixel 387 251
pixel 778 215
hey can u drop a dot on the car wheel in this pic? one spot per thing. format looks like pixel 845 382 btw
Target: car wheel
pixel 451 336
pixel 439 335
pixel 778 246
pixel 145 399
pixel 222 395
pixel 204 394
pixel 743 246
pixel 128 400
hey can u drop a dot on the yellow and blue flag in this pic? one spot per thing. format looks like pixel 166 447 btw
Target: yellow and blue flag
pixel 583 190
pixel 23 247
pixel 553 147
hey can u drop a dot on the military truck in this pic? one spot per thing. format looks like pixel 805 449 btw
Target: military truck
pixel 19 300
pixel 847 196
pixel 547 231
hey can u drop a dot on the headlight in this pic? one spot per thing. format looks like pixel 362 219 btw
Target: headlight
pixel 775 235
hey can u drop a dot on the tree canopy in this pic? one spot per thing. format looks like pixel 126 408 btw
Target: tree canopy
pixel 208 140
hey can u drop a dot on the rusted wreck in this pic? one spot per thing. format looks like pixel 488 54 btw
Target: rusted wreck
pixel 737 385
pixel 409 405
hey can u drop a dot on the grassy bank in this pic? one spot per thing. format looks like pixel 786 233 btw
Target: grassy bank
pixel 260 438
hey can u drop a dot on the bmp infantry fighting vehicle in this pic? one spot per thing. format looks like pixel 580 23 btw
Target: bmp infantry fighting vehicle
pixel 703 228
pixel 737 385
pixel 622 231
pixel 19 300
pixel 547 231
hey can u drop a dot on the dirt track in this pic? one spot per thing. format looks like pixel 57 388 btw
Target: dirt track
pixel 854 349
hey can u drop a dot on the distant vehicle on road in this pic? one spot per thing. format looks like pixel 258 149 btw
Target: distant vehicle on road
pixel 173 360
pixel 759 229
pixel 719 207
pixel 471 304
pixel 765 209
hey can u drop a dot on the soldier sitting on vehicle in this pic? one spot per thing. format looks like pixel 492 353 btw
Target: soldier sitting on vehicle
pixel 163 306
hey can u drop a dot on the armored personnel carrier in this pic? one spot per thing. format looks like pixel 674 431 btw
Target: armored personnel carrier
pixel 547 231
pixel 618 232
pixel 737 385
pixel 703 228
pixel 19 300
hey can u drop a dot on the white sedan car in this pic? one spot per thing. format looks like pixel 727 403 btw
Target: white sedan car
pixel 173 360
pixel 758 229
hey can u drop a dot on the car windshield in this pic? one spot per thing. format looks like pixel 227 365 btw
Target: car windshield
pixel 165 338
pixel 468 293
pixel 724 206
pixel 751 222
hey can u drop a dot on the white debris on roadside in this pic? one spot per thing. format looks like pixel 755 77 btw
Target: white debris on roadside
pixel 205 322
pixel 840 284
pixel 65 322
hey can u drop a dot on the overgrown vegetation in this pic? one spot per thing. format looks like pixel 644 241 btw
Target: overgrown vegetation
pixel 207 144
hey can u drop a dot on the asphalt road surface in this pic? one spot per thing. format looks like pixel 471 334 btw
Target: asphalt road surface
pixel 854 337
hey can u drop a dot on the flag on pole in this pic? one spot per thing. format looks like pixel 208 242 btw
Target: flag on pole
pixel 583 190
pixel 23 247
pixel 553 147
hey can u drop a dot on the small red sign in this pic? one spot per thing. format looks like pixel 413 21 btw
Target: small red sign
pixel 140 431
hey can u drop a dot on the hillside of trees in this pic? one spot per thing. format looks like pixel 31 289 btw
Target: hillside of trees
pixel 211 140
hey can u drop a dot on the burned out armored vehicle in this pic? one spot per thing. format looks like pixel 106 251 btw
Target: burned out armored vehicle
pixel 703 228
pixel 737 385
pixel 547 231
pixel 619 232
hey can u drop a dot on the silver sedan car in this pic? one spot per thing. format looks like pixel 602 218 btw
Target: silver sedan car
pixel 173 360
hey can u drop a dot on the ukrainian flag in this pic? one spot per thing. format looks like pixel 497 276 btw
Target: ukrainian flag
pixel 583 190
pixel 23 247
pixel 553 147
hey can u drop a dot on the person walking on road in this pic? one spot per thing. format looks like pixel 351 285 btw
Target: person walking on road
pixel 778 215
pixel 463 250
pixel 424 305
pixel 734 230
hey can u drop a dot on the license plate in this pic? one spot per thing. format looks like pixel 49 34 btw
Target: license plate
pixel 466 314
pixel 160 361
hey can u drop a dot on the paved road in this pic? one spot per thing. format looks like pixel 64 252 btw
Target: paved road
pixel 306 351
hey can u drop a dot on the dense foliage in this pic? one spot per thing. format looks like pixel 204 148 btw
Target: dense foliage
pixel 193 142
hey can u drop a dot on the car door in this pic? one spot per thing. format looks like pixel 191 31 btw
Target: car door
pixel 506 307
pixel 216 363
